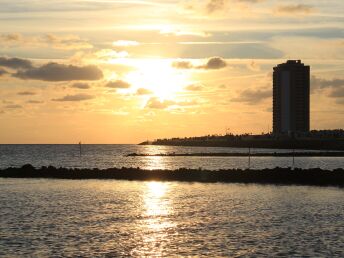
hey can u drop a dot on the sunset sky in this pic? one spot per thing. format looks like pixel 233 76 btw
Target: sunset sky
pixel 107 71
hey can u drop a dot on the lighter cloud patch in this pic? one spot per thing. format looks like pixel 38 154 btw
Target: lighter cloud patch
pixel 120 113
pixel 291 10
pixel 125 43
pixel 109 55
pixel 64 42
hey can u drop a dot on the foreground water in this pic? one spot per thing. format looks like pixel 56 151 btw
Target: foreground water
pixel 106 156
pixel 118 218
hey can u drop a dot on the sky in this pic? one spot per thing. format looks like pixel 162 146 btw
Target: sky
pixel 126 71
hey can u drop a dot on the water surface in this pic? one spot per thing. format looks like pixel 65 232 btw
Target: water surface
pixel 43 217
pixel 106 156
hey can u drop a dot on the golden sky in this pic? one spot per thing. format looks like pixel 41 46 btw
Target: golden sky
pixel 115 71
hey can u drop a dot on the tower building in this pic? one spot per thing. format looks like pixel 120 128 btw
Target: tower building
pixel 291 97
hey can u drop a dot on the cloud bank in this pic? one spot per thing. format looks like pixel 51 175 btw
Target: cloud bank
pixel 76 97
pixel 213 63
pixel 61 72
pixel 253 96
pixel 119 84
pixel 15 63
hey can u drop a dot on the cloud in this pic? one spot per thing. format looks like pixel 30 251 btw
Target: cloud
pixel 125 43
pixel 15 63
pixel 194 87
pixel 320 83
pixel 143 91
pixel 156 103
pixel 80 85
pixel 253 96
pixel 215 5
pixel 337 93
pixel 10 37
pixel 65 42
pixel 335 86
pixel 294 9
pixel 250 1
pixel 218 5
pixel 34 102
pixel 13 106
pixel 2 72
pixel 76 97
pixel 26 93
pixel 61 72
pixel 253 66
pixel 119 84
pixel 182 65
pixel 213 63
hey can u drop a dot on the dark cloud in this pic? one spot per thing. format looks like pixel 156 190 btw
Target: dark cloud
pixel 320 83
pixel 2 72
pixel 215 5
pixel 213 63
pixel 13 106
pixel 119 84
pixel 15 63
pixel 76 97
pixel 194 87
pixel 34 101
pixel 26 93
pixel 335 85
pixel 61 72
pixel 143 91
pixel 80 85
pixel 340 101
pixel 294 9
pixel 253 96
pixel 337 92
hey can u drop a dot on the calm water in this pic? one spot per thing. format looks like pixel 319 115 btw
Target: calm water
pixel 105 156
pixel 91 218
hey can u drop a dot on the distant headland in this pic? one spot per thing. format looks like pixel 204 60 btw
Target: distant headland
pixel 313 140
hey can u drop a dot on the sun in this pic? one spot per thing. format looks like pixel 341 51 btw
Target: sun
pixel 158 77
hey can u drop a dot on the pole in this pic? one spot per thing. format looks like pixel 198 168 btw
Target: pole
pixel 80 149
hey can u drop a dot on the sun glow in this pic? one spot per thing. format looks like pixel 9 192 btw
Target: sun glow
pixel 158 77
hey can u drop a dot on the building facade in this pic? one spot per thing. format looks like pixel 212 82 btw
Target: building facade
pixel 291 97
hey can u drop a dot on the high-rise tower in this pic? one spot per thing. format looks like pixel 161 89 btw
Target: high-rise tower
pixel 291 97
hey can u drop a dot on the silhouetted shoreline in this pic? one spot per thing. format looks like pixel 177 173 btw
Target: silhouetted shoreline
pixel 244 154
pixel 279 176
pixel 264 144
pixel 314 140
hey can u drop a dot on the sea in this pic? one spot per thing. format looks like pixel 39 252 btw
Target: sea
pixel 108 156
pixel 114 218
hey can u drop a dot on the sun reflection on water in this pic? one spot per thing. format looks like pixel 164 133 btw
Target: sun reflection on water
pixel 156 224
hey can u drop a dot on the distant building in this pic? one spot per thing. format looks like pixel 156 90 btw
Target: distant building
pixel 291 97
